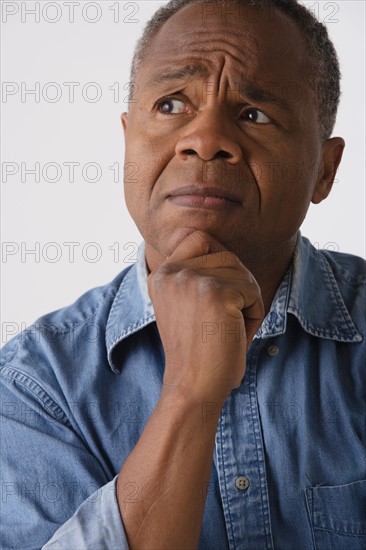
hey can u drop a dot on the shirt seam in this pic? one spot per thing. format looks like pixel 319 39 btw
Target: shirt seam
pixel 140 324
pixel 6 358
pixel 341 533
pixel 318 487
pixel 309 503
pixel 350 278
pixel 15 376
pixel 337 294
pixel 231 537
pixel 258 440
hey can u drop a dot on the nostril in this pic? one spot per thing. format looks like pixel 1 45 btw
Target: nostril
pixel 190 152
pixel 223 154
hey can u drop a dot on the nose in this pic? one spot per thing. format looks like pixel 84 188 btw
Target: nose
pixel 211 135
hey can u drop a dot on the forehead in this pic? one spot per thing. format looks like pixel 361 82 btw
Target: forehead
pixel 259 43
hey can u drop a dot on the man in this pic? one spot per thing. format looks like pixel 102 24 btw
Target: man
pixel 212 395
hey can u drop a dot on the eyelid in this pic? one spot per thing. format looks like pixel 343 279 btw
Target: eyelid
pixel 247 107
pixel 251 107
pixel 167 98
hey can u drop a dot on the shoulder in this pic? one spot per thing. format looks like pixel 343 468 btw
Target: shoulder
pixel 349 270
pixel 328 292
pixel 346 269
pixel 347 274
pixel 62 324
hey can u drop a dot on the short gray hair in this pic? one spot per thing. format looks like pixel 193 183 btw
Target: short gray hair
pixel 326 75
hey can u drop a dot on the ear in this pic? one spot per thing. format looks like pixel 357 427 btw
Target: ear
pixel 124 120
pixel 331 158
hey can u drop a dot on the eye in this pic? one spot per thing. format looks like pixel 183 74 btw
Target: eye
pixel 256 116
pixel 171 106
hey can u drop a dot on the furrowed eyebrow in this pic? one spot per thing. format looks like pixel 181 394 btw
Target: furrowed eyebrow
pixel 249 91
pixel 177 74
pixel 252 92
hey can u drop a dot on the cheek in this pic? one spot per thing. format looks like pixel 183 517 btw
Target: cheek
pixel 139 175
pixel 144 162
pixel 286 189
pixel 147 158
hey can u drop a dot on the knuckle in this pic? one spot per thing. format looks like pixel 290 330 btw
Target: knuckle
pixel 165 270
pixel 159 277
pixel 207 284
pixel 184 275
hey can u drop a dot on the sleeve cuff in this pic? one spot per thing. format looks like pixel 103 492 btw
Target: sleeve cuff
pixel 96 524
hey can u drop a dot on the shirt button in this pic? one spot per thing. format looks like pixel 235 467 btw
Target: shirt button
pixel 242 483
pixel 273 350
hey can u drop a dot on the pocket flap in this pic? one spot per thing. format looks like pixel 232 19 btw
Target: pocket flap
pixel 339 508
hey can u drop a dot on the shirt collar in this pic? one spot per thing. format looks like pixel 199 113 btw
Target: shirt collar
pixel 326 316
pixel 132 308
pixel 321 313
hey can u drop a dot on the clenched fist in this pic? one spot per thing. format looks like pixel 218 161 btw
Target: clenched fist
pixel 208 308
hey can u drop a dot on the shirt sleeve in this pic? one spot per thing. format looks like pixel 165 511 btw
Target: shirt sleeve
pixel 96 524
pixel 55 492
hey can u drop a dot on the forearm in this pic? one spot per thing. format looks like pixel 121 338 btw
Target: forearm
pixel 171 466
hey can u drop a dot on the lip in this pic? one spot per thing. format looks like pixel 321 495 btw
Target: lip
pixel 196 196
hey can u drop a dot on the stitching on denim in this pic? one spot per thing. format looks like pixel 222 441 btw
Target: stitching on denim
pixel 253 406
pixel 14 375
pixel 230 519
pixel 350 278
pixel 337 294
pixel 340 533
pixel 120 292
pixel 5 358
pixel 135 327
pixel 338 486
pixel 309 503
pixel 259 441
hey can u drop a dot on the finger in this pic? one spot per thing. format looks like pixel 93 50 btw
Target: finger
pixel 224 260
pixel 247 298
pixel 195 245
pixel 254 314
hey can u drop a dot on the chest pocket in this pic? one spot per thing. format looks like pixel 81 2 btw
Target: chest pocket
pixel 338 516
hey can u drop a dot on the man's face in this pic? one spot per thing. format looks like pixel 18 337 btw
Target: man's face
pixel 246 122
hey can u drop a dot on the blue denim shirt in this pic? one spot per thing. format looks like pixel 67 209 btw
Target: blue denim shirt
pixel 289 467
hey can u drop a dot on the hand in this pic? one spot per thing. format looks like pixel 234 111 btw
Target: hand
pixel 208 308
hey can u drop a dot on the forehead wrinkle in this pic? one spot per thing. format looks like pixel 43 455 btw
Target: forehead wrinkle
pixel 219 43
pixel 200 67
pixel 186 72
pixel 219 33
pixel 211 63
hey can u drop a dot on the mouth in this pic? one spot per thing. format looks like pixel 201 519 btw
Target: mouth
pixel 194 196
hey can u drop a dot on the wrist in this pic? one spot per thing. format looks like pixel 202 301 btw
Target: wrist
pixel 184 406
